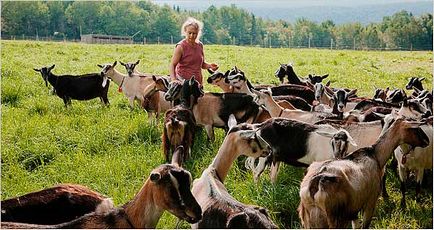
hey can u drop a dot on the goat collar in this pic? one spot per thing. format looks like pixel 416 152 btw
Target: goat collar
pixel 120 85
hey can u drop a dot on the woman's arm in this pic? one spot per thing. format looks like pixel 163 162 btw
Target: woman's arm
pixel 177 53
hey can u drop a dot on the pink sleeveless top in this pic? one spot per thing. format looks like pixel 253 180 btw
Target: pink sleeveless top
pixel 191 61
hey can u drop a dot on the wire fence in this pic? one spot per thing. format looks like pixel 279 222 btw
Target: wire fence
pixel 265 44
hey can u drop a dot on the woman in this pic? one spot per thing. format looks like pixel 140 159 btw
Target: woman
pixel 188 58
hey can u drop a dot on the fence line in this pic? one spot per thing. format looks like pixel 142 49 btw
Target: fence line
pixel 332 46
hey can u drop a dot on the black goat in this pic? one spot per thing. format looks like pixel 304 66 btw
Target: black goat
pixel 81 87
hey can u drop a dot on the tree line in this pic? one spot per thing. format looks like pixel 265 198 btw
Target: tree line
pixel 148 22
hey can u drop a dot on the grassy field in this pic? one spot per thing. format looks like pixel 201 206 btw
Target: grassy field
pixel 113 149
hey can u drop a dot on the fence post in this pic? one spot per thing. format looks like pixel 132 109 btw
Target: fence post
pixel 331 43
pixel 144 40
pixel 309 42
pixel 171 39
pixel 158 40
pixel 354 43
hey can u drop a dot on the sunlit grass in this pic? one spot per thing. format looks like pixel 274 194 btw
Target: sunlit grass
pixel 113 149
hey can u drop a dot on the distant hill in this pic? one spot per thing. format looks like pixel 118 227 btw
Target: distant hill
pixel 339 11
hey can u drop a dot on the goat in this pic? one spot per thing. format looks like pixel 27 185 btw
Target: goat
pixel 179 128
pixel 240 84
pixel 298 143
pixel 54 205
pixel 213 109
pixel 415 83
pixel 134 88
pixel 265 98
pixel 217 78
pixel 82 87
pixel 167 188
pixel 380 94
pixel 220 209
pixel 339 142
pixel 333 192
pixel 396 96
pixel 288 70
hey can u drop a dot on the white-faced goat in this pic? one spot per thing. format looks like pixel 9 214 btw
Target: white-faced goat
pixel 179 128
pixel 168 188
pixel 220 209
pixel 134 89
pixel 54 205
pixel 81 87
pixel 333 192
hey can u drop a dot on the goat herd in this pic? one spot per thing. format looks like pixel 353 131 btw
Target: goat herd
pixel 345 141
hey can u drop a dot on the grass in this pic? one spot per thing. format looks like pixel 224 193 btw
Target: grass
pixel 112 150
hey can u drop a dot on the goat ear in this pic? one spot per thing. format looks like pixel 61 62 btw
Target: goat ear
pixel 191 81
pixel 325 134
pixel 116 62
pixel 237 220
pixel 100 66
pixel 122 63
pixel 421 79
pixel 232 121
pixel 37 70
pixel 227 73
pixel 329 91
pixel 51 67
pixel 325 76
pixel 387 89
pixel 328 84
pixel 137 62
pixel 351 93
pixel 210 71
pixel 310 76
pixel 155 176
pixel 349 138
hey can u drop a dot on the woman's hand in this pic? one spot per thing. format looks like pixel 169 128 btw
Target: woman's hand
pixel 213 66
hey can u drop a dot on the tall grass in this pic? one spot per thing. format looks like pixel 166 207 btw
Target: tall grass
pixel 113 149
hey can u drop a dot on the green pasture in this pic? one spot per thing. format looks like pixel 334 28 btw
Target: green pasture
pixel 113 149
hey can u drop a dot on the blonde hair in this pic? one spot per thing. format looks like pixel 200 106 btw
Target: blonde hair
pixel 192 22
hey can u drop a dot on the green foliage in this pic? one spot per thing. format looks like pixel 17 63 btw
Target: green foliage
pixel 113 149
pixel 224 25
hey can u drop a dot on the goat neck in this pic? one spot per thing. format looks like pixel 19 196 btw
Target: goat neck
pixel 142 211
pixel 387 143
pixel 272 106
pixel 116 76
pixel 225 157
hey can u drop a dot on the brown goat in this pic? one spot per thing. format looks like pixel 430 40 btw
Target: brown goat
pixel 54 205
pixel 333 192
pixel 168 188
pixel 179 127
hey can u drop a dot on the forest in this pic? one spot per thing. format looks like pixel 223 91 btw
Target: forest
pixel 147 22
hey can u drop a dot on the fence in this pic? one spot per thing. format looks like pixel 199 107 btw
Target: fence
pixel 265 44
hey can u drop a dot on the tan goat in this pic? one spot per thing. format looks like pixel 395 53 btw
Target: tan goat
pixel 220 209
pixel 333 192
